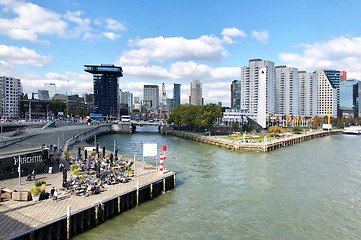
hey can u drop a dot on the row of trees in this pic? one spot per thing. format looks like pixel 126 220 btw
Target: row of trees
pixel 195 117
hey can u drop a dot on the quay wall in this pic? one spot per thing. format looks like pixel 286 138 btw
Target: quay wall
pixel 253 147
pixel 101 211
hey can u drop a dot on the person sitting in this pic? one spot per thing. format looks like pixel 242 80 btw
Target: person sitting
pixel 28 178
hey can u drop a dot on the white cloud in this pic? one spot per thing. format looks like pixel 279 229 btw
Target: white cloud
pixel 261 37
pixel 160 49
pixel 23 56
pixel 233 32
pixel 111 35
pixel 114 25
pixel 30 21
pixel 340 53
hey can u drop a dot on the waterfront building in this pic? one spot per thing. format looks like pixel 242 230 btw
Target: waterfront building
pixel 347 96
pixel 151 97
pixel 286 91
pixel 196 93
pixel 328 92
pixel 106 88
pixel 258 90
pixel 236 94
pixel 10 92
pixel 307 94
pixel 235 115
pixel 51 87
pixel 176 95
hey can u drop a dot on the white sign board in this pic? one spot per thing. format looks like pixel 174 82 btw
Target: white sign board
pixel 149 149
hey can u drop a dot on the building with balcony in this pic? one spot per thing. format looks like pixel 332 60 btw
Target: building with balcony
pixel 10 92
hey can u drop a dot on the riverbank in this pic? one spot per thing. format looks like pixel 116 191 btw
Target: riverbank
pixel 264 146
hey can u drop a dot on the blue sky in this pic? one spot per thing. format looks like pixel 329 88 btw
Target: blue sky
pixel 173 41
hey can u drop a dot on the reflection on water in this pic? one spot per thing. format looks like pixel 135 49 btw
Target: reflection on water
pixel 306 191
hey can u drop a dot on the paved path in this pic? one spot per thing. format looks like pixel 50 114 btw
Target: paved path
pixel 19 216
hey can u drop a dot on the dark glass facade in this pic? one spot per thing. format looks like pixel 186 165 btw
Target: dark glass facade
pixel 105 79
pixel 236 94
pixel 176 95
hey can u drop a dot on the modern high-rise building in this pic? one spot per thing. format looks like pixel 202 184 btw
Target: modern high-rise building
pixel 10 92
pixel 286 94
pixel 346 94
pixel 51 87
pixel 357 99
pixel 127 98
pixel 307 94
pixel 328 92
pixel 258 90
pixel 176 94
pixel 151 96
pixel 106 88
pixel 196 93
pixel 236 94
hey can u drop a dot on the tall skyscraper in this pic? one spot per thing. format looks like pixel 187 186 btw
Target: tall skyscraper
pixel 151 96
pixel 10 91
pixel 286 94
pixel 236 94
pixel 328 92
pixel 196 93
pixel 176 94
pixel 258 90
pixel 307 94
pixel 346 94
pixel 127 98
pixel 51 87
pixel 106 88
pixel 357 99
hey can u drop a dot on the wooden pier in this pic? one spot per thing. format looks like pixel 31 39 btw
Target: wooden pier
pixel 47 219
pixel 270 145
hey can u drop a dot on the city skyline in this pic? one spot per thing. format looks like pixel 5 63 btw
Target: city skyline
pixel 158 42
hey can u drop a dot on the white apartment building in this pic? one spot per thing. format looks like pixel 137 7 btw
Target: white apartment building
pixel 10 91
pixel 286 94
pixel 196 93
pixel 307 94
pixel 328 92
pixel 258 90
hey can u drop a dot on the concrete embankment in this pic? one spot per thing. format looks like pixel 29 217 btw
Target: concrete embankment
pixel 256 147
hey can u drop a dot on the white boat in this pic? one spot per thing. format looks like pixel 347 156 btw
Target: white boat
pixel 352 130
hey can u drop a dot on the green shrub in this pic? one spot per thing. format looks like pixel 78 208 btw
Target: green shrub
pixel 297 130
pixel 35 191
pixel 40 182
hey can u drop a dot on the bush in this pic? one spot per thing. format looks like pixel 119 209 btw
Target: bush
pixel 92 153
pixel 40 182
pixel 35 191
pixel 74 169
pixel 297 130
pixel 275 130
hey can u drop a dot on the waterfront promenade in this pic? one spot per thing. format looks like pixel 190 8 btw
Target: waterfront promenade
pixel 263 146
pixel 17 217
pixel 45 219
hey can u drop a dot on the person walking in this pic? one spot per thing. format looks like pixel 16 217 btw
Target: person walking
pixel 52 192
pixel 33 173
pixel 56 195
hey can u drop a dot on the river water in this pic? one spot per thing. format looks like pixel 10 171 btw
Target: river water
pixel 307 191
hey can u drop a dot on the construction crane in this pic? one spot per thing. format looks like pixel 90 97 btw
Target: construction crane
pixel 164 111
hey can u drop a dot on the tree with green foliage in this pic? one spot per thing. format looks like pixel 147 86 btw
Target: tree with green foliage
pixel 199 117
pixel 235 125
pixel 246 128
pixel 57 106
pixel 297 129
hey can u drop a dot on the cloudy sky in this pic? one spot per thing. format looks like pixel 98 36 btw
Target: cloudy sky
pixel 173 41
